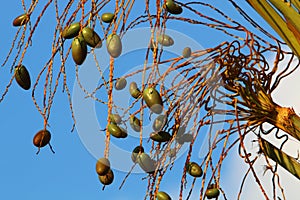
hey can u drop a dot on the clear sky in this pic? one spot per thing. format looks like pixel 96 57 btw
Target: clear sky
pixel 70 172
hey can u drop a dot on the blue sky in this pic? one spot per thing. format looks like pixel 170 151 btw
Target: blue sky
pixel 70 173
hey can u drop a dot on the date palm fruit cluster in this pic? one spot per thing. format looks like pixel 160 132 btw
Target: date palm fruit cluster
pixel 81 38
pixel 85 36
pixel 154 101
pixel 113 42
pixel 105 173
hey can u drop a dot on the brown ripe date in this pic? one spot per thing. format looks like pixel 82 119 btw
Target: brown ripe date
pixel 22 77
pixel 41 139
pixel 21 20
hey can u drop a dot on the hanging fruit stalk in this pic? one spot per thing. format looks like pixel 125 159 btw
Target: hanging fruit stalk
pixel 262 108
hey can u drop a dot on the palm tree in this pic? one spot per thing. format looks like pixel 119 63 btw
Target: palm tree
pixel 229 84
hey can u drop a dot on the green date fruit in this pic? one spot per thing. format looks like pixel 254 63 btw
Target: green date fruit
pixel 135 153
pixel 194 169
pixel 115 118
pixel 91 37
pixel 212 192
pixel 184 138
pixel 162 196
pixel 107 17
pixel 146 163
pixel 22 77
pixel 117 131
pixel 114 45
pixel 134 91
pixel 135 123
pixel 102 166
pixel 120 83
pixel 186 53
pixel 108 178
pixel 153 100
pixel 172 7
pixel 160 136
pixel 71 31
pixel 159 123
pixel 165 40
pixel 79 50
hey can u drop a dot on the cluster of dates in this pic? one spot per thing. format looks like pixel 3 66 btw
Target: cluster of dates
pixel 84 36
pixel 154 102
